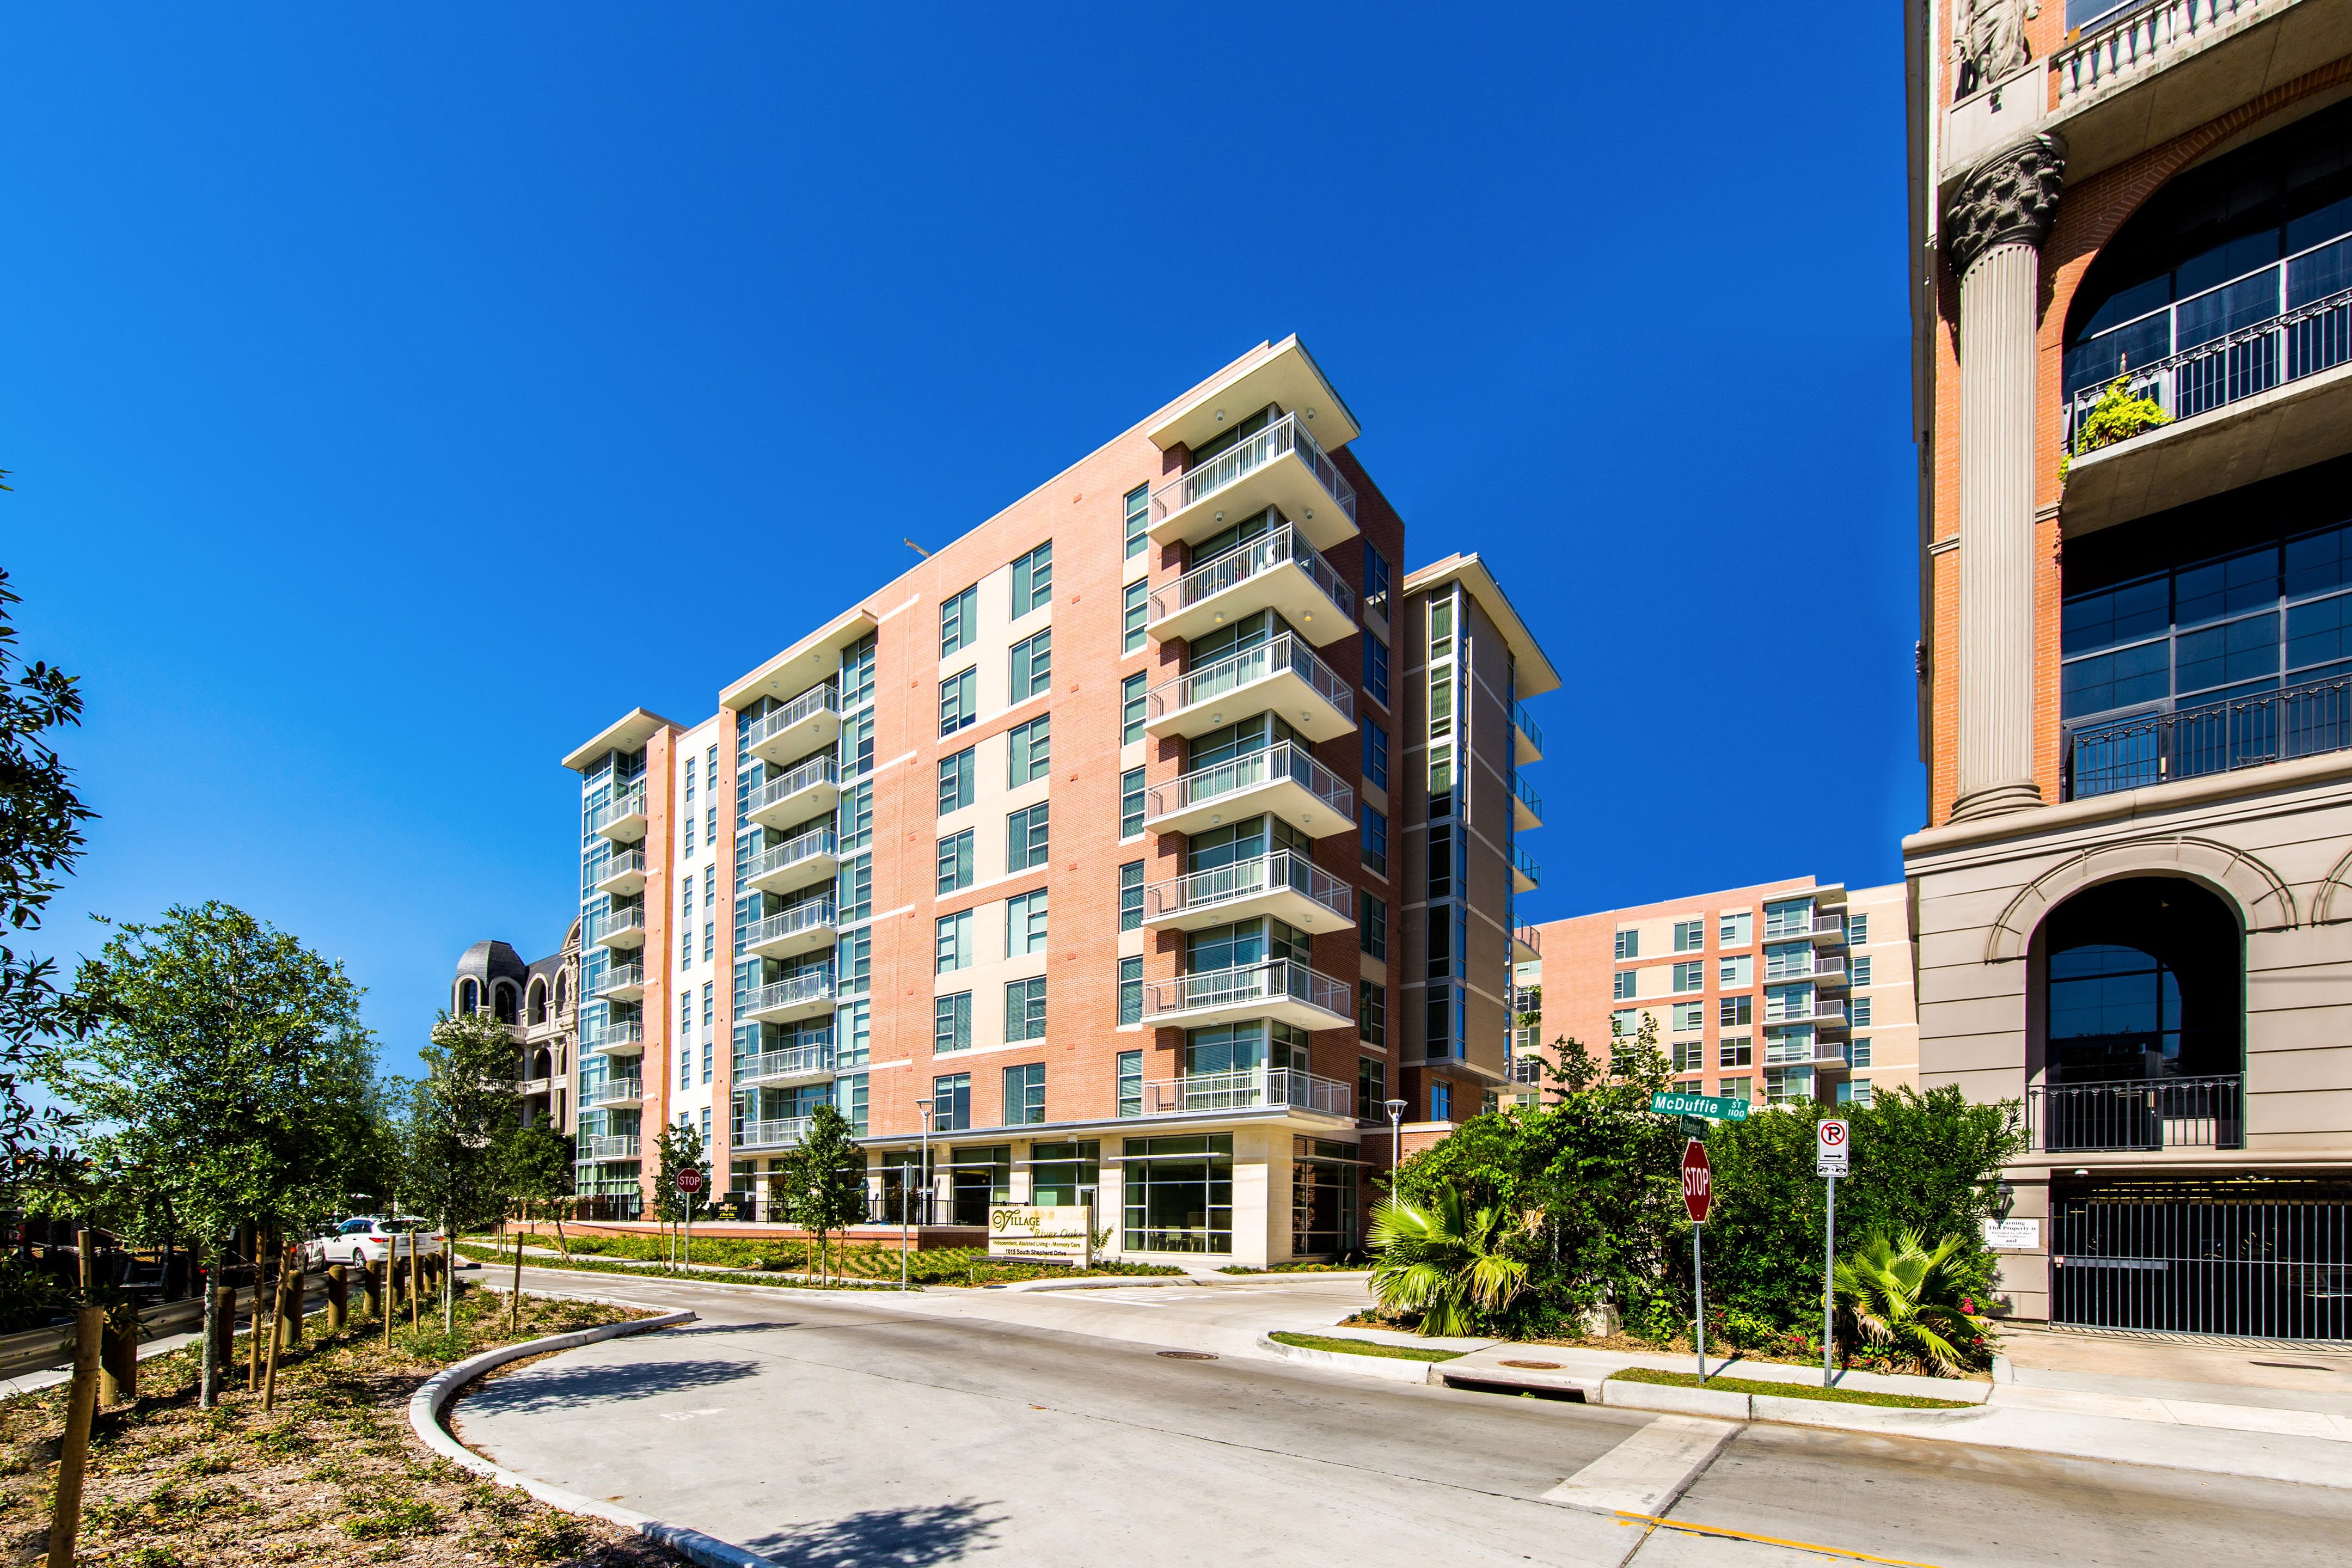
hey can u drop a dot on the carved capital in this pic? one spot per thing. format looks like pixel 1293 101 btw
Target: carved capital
pixel 2009 198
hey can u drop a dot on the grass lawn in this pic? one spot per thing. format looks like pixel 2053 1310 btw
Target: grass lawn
pixel 1361 1347
pixel 332 1475
pixel 1788 1390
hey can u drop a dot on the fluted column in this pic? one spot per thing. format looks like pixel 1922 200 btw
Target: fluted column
pixel 1993 229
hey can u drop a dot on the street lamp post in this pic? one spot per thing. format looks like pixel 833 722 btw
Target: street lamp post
pixel 923 1110
pixel 1396 1141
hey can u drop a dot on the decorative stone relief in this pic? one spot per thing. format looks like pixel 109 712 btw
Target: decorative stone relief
pixel 1990 44
pixel 2009 198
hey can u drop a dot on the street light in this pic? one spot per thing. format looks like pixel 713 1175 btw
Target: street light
pixel 1396 1139
pixel 923 1110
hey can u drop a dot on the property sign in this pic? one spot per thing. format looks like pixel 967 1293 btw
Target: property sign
pixel 1708 1105
pixel 1698 1181
pixel 689 1181
pixel 1032 1233
pixel 2013 1235
pixel 1830 1149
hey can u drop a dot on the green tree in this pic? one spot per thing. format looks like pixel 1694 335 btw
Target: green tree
pixel 679 1148
pixel 462 1115
pixel 1447 1263
pixel 824 1179
pixel 538 1179
pixel 225 1077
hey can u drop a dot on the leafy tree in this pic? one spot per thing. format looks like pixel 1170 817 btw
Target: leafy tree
pixel 225 1078
pixel 1900 1296
pixel 1447 1263
pixel 824 1179
pixel 462 1116
pixel 538 1178
pixel 679 1147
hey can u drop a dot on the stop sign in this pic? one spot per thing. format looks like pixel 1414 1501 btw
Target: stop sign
pixel 1698 1181
pixel 689 1181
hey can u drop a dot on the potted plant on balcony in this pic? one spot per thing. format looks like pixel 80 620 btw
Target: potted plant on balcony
pixel 2118 415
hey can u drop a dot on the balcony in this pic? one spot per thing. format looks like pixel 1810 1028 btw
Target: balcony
pixel 1530 738
pixel 1526 944
pixel 620 928
pixel 796 931
pixel 1527 805
pixel 802 997
pixel 1825 1011
pixel 1286 886
pixel 1821 968
pixel 623 982
pixel 782 1133
pixel 1524 873
pixel 1281 466
pixel 1277 570
pixel 534 1087
pixel 2142 1114
pixel 799 1064
pixel 2219 737
pixel 625 1038
pixel 606 1146
pixel 2256 373
pixel 809 720
pixel 1821 931
pixel 622 820
pixel 795 863
pixel 791 799
pixel 624 876
pixel 1278 988
pixel 1282 674
pixel 1282 779
pixel 1255 1089
pixel 614 1091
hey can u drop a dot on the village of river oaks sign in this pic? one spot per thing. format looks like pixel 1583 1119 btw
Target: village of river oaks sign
pixel 1030 1233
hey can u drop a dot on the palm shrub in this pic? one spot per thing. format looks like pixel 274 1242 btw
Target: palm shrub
pixel 1897 1295
pixel 1447 1262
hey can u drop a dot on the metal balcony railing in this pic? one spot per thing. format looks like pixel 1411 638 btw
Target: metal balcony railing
pixel 1209 578
pixel 626 1032
pixel 1817 1009
pixel 797 1061
pixel 1526 725
pixel 1276 980
pixel 1531 938
pixel 630 801
pixel 1275 763
pixel 1234 671
pixel 1519 787
pixel 813 986
pixel 620 976
pixel 2215 738
pixel 810 916
pixel 613 1092
pixel 1525 865
pixel 622 863
pixel 804 776
pixel 614 921
pixel 1247 879
pixel 1236 462
pixel 1807 965
pixel 2137 1113
pixel 2116 42
pixel 808 845
pixel 779 1134
pixel 1253 1089
pixel 808 705
pixel 606 1146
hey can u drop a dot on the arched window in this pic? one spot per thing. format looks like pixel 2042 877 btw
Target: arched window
pixel 538 1002
pixel 560 978
pixel 469 998
pixel 502 1002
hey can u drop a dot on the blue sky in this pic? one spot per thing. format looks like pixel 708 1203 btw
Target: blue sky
pixel 366 372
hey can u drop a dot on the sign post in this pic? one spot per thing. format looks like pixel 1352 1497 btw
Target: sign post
pixel 1830 1162
pixel 689 1182
pixel 1698 1192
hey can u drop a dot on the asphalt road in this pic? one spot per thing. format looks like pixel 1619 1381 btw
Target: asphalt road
pixel 856 1431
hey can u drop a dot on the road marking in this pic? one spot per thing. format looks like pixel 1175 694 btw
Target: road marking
pixel 689 1415
pixel 1851 1555
pixel 1644 1474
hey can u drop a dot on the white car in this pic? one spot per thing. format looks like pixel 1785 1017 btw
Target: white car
pixel 369 1238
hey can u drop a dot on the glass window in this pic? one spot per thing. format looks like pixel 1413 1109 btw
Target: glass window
pixel 1690 936
pixel 953 942
pixel 854 962
pixel 1690 1056
pixel 1738 971
pixel 1783 1085
pixel 2238 650
pixel 1130 896
pixel 1376 580
pixel 1029 753
pixel 1135 607
pixel 1860 968
pixel 1625 984
pixel 1024 1009
pixel 951 1022
pixel 957 779
pixel 1690 976
pixel 1731 1012
pixel 1689 1017
pixel 1376 756
pixel 1860 1008
pixel 959 620
pixel 1178 1194
pixel 1139 519
pixel 1032 673
pixel 1130 992
pixel 1033 580
pixel 1629 944
pixel 1065 1176
pixel 1733 930
pixel 1130 803
pixel 1131 1078
pixel 955 861
pixel 1375 835
pixel 951 1102
pixel 1376 669
pixel 1737 1088
pixel 1372 925
pixel 1372 1012
pixel 1737 1052
pixel 1026 837
pixel 1024 1095
pixel 1857 931
pixel 1441 1100
pixel 1371 1085
pixel 1024 923
pixel 958 701
pixel 1858 1054
pixel 1793 917
pixel 853 893
pixel 1130 709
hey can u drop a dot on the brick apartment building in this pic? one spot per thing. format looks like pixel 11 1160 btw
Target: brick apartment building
pixel 1786 991
pixel 2136 682
pixel 1146 841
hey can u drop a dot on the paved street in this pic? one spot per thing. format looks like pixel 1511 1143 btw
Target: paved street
pixel 1045 1429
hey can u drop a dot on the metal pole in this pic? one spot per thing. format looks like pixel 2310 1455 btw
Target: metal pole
pixel 1829 1280
pixel 923 1107
pixel 1699 1292
pixel 905 1176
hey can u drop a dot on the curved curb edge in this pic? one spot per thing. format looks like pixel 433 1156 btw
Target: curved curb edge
pixel 424 1407
pixel 1404 1370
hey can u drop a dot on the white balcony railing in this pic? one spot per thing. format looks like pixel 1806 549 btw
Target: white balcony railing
pixel 606 1146
pixel 806 776
pixel 816 700
pixel 1247 668
pixel 1250 771
pixel 779 1134
pixel 792 852
pixel 2139 39
pixel 621 977
pixel 623 1032
pixel 1253 1089
pixel 1281 546
pixel 1276 980
pixel 1236 462
pixel 622 863
pixel 1248 879
pixel 614 1091
pixel 814 915
pixel 816 985
pixel 630 801
pixel 796 1062
pixel 614 921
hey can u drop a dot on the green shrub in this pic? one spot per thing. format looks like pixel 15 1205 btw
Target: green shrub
pixel 2117 416
pixel 392 1519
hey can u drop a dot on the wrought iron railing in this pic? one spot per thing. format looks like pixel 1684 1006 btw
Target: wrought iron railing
pixel 1529 797
pixel 1247 879
pixel 1276 980
pixel 1251 665
pixel 1525 865
pixel 2303 721
pixel 1251 1089
pixel 1283 436
pixel 2137 1113
pixel 1278 547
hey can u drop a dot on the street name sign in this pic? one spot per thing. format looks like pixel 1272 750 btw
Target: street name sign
pixel 1043 1233
pixel 1698 1181
pixel 1830 1149
pixel 1708 1105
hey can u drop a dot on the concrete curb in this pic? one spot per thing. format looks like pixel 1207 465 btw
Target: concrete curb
pixel 1390 1367
pixel 424 1407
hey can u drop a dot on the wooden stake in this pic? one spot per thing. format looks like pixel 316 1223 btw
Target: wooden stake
pixel 73 1456
pixel 277 1316
pixel 339 1299
pixel 117 1362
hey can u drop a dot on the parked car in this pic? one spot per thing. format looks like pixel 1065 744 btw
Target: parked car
pixel 370 1239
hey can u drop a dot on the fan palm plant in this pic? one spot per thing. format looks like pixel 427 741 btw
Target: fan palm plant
pixel 1894 1290
pixel 1444 1261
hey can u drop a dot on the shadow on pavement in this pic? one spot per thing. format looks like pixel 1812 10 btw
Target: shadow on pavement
pixel 901 1537
pixel 537 1393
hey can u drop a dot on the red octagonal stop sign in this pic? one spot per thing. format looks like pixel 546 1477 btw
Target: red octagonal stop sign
pixel 689 1181
pixel 1698 1181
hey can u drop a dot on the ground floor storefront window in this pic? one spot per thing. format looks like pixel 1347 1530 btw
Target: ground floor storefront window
pixel 1179 1194
pixel 978 1176
pixel 1322 1197
pixel 1065 1176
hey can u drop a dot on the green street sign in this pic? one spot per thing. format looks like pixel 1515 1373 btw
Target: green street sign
pixel 1707 1105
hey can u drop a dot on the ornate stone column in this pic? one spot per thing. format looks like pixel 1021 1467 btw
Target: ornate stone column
pixel 1994 230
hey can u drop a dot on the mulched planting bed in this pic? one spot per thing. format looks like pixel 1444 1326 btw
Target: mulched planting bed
pixel 854 1267
pixel 332 1475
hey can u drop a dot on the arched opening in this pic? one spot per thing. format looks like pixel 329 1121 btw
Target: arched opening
pixel 469 998
pixel 538 1002
pixel 560 978
pixel 502 1002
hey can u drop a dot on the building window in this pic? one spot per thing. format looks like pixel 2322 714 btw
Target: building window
pixel 1785 1085
pixel 1024 1095
pixel 1376 669
pixel 1376 580
pixel 1739 971
pixel 1130 993
pixel 1135 606
pixel 709 940
pixel 952 1023
pixel 1790 917
pixel 1372 1012
pixel 1024 923
pixel 1443 1017
pixel 1629 944
pixel 1690 1056
pixel 1375 757
pixel 1738 1051
pixel 957 779
pixel 1130 896
pixel 1130 1083
pixel 1029 753
pixel 1857 931
pixel 1371 1085
pixel 1375 833
pixel 1178 1194
pixel 1441 1100
pixel 710 824
pixel 1130 709
pixel 1625 1023
pixel 1861 967
pixel 951 1102
pixel 708 1053
pixel 958 701
pixel 959 620
pixel 710 886
pixel 1139 519
pixel 1733 930
pixel 1854 1091
pixel 1859 1054
pixel 1861 1009
pixel 1737 1088
pixel 1372 925
pixel 1690 936
pixel 955 862
pixel 1025 837
pixel 1032 666
pixel 1024 1009
pixel 853 818
pixel 1689 1016
pixel 1731 1012
pixel 1625 984
pixel 853 958
pixel 1033 580
pixel 952 943
pixel 1787 960
pixel 1690 976
pixel 1130 803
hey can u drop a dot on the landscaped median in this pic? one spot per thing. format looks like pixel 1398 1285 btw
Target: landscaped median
pixel 857 1268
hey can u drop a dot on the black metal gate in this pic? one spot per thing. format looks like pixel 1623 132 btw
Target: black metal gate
pixel 2204 1262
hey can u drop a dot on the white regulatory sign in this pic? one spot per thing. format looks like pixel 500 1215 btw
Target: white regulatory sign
pixel 2013 1235
pixel 1830 1149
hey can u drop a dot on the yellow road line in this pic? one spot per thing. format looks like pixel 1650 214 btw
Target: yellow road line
pixel 1689 1529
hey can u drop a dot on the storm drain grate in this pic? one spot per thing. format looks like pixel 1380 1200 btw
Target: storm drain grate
pixel 1188 1355
pixel 1535 1365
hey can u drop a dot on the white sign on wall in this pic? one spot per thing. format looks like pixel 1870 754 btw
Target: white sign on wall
pixel 1031 1233
pixel 2013 1235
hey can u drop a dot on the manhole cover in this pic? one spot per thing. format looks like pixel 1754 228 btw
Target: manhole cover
pixel 1535 1365
pixel 1188 1355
